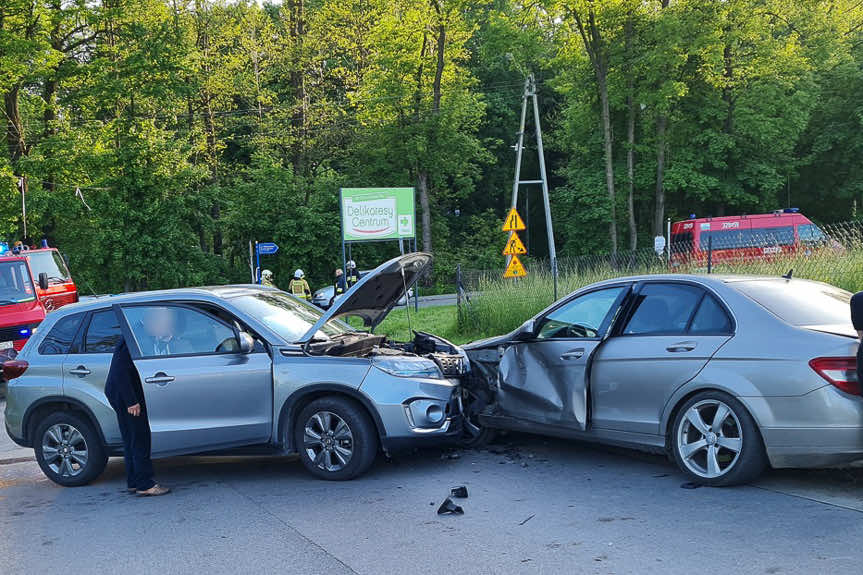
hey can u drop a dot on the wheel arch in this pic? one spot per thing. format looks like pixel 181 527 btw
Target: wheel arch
pixel 44 406
pixel 302 397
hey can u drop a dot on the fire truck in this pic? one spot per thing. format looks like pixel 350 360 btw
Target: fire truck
pixel 743 238
pixel 20 307
pixel 54 284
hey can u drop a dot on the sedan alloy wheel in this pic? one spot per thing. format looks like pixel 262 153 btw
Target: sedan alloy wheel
pixel 709 438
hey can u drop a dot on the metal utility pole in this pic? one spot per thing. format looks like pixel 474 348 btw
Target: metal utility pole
pixel 530 93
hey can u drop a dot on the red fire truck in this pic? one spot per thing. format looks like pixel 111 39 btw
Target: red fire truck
pixel 743 237
pixel 54 283
pixel 20 308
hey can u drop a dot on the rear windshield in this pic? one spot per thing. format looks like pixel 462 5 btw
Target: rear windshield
pixel 15 283
pixel 800 303
pixel 49 263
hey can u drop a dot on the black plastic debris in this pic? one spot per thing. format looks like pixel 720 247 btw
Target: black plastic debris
pixel 460 492
pixel 690 485
pixel 449 507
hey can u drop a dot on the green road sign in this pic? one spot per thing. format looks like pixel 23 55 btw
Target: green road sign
pixel 378 214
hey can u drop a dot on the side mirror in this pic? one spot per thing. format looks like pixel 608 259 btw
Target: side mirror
pixel 43 281
pixel 526 331
pixel 247 342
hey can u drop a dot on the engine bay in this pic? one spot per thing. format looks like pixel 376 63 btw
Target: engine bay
pixel 448 357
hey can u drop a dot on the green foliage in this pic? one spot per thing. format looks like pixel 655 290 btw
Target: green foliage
pixel 194 126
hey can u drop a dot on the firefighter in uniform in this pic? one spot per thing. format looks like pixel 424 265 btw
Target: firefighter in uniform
pixel 353 274
pixel 340 286
pixel 267 278
pixel 299 287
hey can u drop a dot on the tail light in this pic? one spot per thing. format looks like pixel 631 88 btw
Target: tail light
pixel 14 368
pixel 839 371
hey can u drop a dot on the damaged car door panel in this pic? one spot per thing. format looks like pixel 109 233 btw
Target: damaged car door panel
pixel 602 363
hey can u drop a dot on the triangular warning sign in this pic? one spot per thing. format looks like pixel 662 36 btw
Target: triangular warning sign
pixel 513 222
pixel 514 246
pixel 515 269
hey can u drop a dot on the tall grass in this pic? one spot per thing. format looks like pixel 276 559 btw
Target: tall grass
pixel 499 305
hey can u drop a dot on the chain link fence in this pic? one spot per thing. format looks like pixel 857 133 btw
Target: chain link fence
pixel 832 254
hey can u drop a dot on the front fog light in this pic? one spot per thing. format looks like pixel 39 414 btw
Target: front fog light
pixel 426 413
pixel 434 413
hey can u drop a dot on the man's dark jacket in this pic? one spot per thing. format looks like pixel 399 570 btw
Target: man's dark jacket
pixel 857 311
pixel 123 386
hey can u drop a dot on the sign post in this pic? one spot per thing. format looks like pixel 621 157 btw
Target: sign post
pixel 377 214
pixel 514 246
pixel 263 249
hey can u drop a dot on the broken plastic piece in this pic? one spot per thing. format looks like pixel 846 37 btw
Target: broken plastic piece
pixel 690 485
pixel 460 492
pixel 448 506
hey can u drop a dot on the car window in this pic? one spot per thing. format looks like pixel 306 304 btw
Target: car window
pixel 173 330
pixel 583 317
pixel 59 339
pixel 286 316
pixel 710 318
pixel 810 234
pixel 663 309
pixel 103 333
pixel 800 302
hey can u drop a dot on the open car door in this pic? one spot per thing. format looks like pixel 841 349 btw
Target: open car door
pixel 544 377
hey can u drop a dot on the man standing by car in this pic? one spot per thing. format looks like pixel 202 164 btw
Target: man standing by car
pixel 857 320
pixel 124 393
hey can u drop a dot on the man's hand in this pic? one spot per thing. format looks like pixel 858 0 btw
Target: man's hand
pixel 134 410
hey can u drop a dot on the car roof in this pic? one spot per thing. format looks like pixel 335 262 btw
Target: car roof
pixel 713 279
pixel 200 293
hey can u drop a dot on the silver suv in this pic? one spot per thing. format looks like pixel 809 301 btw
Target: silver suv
pixel 247 367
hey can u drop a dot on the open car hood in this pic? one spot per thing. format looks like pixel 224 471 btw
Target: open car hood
pixel 377 292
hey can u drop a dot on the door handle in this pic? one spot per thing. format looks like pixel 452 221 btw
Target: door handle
pixel 681 346
pixel 160 379
pixel 573 354
pixel 80 371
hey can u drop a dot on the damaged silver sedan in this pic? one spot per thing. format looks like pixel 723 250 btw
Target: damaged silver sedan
pixel 725 374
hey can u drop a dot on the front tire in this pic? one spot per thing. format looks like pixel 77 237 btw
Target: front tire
pixel 716 442
pixel 335 438
pixel 68 449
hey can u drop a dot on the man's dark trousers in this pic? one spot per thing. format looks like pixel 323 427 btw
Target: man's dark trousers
pixel 136 447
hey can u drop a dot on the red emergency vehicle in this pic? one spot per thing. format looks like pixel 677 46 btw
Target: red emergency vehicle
pixel 54 283
pixel 20 308
pixel 743 237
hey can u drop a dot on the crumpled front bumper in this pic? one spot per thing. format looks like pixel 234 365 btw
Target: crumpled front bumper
pixel 403 405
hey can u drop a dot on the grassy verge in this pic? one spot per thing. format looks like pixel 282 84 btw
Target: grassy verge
pixel 502 305
pixel 442 321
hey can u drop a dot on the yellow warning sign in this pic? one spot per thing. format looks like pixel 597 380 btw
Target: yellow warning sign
pixel 513 222
pixel 515 269
pixel 514 246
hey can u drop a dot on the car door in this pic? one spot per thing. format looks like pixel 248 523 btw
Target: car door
pixel 545 379
pixel 201 392
pixel 85 368
pixel 668 334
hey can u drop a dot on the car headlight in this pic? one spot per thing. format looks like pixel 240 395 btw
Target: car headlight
pixel 420 368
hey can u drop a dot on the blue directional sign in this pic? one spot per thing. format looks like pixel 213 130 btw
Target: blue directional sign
pixel 267 248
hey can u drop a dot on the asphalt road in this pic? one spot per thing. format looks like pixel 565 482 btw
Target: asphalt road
pixel 535 506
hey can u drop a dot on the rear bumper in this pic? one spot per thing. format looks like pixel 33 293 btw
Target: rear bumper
pixel 19 440
pixel 820 429
pixel 813 446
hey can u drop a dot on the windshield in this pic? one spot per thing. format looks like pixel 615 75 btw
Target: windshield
pixel 288 317
pixel 800 303
pixel 51 264
pixel 15 283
